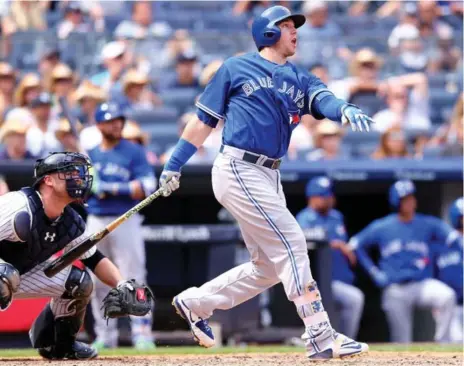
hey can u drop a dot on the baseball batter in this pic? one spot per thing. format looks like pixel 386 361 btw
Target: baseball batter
pixel 261 96
pixel 404 239
pixel 35 223
pixel 449 265
pixel 123 178
pixel 323 224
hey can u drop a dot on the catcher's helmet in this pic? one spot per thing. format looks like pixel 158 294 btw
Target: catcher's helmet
pixel 456 213
pixel 72 167
pixel 108 111
pixel 265 29
pixel 399 190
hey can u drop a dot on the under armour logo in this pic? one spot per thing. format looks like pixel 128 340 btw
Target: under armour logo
pixel 49 236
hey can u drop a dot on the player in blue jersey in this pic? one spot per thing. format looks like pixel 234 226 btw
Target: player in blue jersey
pixel 323 224
pixel 404 239
pixel 261 97
pixel 122 178
pixel 449 264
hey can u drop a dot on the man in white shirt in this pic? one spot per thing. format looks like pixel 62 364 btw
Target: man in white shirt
pixel 40 138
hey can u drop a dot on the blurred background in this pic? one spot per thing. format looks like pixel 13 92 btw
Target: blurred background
pixel 400 61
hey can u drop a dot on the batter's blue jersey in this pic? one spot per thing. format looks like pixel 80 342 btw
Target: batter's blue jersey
pixel 405 247
pixel 325 228
pixel 449 265
pixel 261 102
pixel 124 163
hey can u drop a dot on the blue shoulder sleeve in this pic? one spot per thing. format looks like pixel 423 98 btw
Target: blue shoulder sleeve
pixel 214 98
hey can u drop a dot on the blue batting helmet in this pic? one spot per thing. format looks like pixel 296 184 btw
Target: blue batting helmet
pixel 399 190
pixel 456 212
pixel 108 111
pixel 319 186
pixel 265 29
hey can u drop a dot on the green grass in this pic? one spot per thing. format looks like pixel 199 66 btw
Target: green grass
pixel 420 347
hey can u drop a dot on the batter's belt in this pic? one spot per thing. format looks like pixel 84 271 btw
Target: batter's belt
pixel 250 157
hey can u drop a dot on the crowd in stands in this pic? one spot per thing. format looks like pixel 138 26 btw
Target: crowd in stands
pixel 400 61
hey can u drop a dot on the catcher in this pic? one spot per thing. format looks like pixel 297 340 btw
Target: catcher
pixel 35 223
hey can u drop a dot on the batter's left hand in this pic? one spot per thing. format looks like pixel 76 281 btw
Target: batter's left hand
pixel 358 120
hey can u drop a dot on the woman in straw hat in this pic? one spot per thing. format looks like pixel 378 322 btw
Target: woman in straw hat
pixel 7 85
pixel 392 145
pixel 13 138
pixel 27 90
pixel 136 95
pixel 327 142
pixel 64 135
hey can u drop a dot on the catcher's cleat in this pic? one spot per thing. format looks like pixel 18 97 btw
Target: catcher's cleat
pixel 342 346
pixel 76 351
pixel 201 331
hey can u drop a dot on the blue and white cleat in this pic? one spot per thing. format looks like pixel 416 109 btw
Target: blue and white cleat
pixel 343 346
pixel 201 331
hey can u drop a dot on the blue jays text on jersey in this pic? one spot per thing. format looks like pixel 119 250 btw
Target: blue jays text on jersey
pixel 124 163
pixel 260 101
pixel 405 247
pixel 325 228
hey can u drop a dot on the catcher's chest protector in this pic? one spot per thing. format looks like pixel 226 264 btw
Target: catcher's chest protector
pixel 45 238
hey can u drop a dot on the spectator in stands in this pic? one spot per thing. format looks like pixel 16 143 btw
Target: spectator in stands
pixel 408 17
pixel 320 34
pixel 61 84
pixel 65 137
pixel 446 57
pixel 429 24
pixel 74 21
pixel 48 60
pixel 450 137
pixel 88 97
pixel 40 138
pixel 381 8
pixel 134 133
pixel 405 109
pixel 24 16
pixel 142 25
pixel 13 137
pixel 392 145
pixel 27 90
pixel 363 87
pixel 7 85
pixel 328 140
pixel 180 42
pixel 412 55
pixel 115 60
pixel 136 95
pixel 202 156
pixel 186 73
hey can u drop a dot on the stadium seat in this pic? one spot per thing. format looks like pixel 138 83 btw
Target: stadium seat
pixel 180 98
pixel 162 135
pixel 154 116
pixel 441 105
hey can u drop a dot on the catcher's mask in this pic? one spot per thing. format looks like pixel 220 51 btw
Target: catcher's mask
pixel 74 168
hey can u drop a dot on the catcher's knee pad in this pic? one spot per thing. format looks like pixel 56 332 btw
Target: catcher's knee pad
pixel 42 332
pixel 78 285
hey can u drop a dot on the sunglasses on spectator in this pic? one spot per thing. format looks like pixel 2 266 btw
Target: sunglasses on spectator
pixel 63 80
pixel 369 65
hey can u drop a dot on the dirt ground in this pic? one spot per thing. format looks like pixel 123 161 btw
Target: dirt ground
pixel 274 359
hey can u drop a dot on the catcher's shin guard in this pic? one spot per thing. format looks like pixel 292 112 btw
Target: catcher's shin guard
pixel 42 332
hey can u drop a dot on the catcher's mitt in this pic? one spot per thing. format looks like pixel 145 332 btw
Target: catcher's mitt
pixel 129 298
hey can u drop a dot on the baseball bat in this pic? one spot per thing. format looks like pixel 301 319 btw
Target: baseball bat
pixel 68 115
pixel 69 257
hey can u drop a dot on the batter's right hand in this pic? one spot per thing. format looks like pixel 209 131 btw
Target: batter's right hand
pixel 169 181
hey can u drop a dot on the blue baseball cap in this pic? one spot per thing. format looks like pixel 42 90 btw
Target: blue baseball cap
pixel 319 186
